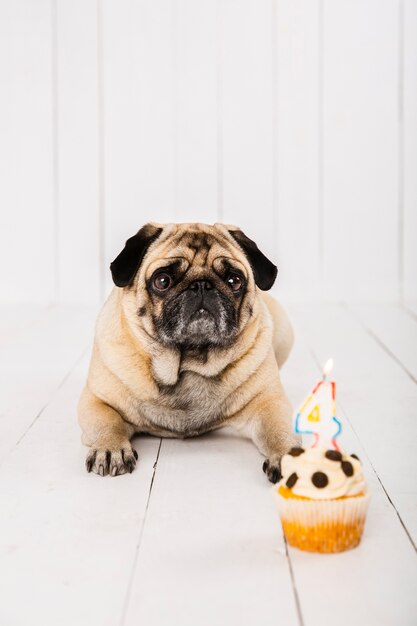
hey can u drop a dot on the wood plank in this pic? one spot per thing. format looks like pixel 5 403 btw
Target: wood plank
pixel 376 393
pixel 410 148
pixel 34 362
pixel 370 598
pixel 395 329
pixel 246 135
pixel 211 545
pixel 298 140
pixel 78 236
pixel 139 118
pixel 67 538
pixel 27 216
pixel 14 319
pixel 195 103
pixel 360 150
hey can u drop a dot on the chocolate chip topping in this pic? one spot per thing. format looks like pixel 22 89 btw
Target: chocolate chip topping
pixel 347 467
pixel 296 451
pixel 355 456
pixel 291 480
pixel 319 480
pixel 333 455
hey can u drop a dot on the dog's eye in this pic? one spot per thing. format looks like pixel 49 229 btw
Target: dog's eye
pixel 234 281
pixel 161 282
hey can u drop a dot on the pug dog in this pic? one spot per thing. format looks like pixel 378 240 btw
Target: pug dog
pixel 187 342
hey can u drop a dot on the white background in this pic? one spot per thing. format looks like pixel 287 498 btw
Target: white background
pixel 295 119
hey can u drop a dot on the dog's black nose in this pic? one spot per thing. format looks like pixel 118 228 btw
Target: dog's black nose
pixel 200 285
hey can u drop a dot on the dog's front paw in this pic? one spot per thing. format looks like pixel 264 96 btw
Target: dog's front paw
pixel 272 468
pixel 116 461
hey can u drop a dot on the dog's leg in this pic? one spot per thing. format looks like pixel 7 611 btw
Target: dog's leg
pixel 108 435
pixel 267 420
pixel 273 434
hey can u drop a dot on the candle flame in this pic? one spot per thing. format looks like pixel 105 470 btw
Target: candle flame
pixel 328 367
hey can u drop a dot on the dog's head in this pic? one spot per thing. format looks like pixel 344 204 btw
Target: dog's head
pixel 192 285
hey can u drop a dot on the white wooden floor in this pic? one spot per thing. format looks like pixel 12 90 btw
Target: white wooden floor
pixel 192 537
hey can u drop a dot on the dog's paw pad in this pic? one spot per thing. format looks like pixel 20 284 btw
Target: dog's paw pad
pixel 272 468
pixel 111 462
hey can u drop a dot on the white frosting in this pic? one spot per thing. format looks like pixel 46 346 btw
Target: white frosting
pixel 313 460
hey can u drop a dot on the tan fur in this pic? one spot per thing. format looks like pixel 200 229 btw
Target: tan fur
pixel 137 384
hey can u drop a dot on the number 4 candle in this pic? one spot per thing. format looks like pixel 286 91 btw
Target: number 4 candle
pixel 317 415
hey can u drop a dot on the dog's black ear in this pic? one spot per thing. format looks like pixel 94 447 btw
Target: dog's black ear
pixel 125 266
pixel 264 271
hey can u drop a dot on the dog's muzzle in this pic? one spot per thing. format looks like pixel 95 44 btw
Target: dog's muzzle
pixel 199 315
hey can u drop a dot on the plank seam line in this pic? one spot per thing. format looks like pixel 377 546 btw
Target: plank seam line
pixel 294 586
pixel 398 515
pixel 60 385
pixel 346 418
pixel 379 341
pixel 409 312
pixel 142 528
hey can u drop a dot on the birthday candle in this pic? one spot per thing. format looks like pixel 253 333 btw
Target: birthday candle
pixel 317 415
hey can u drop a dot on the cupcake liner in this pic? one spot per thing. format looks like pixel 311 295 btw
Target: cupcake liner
pixel 323 525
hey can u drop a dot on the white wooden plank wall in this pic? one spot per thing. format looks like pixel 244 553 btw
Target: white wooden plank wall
pixel 360 197
pixel 138 71
pixel 27 169
pixel 295 119
pixel 78 158
pixel 246 79
pixel 409 146
pixel 298 220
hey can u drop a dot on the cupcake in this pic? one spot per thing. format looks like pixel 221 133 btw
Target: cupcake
pixel 322 499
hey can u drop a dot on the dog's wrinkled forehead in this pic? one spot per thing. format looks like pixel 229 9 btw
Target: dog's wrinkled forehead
pixel 196 250
pixel 199 245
